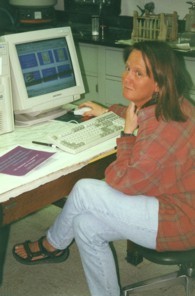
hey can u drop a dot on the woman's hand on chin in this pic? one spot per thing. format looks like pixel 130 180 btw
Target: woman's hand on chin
pixel 131 119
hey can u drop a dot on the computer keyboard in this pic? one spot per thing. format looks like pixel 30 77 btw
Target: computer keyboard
pixel 89 133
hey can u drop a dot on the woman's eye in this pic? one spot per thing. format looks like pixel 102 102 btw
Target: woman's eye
pixel 138 74
pixel 135 72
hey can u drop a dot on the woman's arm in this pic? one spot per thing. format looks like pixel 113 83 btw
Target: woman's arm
pixel 97 109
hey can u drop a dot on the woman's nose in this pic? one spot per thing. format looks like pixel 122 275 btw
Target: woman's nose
pixel 127 76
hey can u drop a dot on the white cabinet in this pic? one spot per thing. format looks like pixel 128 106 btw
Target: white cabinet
pixel 102 69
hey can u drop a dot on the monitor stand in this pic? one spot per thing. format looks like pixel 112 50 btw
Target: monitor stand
pixel 29 119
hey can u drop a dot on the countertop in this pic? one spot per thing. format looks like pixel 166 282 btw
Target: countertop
pixel 113 37
pixel 82 33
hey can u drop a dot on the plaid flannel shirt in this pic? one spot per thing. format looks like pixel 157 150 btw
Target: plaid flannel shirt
pixel 159 162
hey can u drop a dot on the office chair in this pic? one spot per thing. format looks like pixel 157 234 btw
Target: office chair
pixel 184 259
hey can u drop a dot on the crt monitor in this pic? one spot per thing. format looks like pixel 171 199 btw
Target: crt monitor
pixel 45 73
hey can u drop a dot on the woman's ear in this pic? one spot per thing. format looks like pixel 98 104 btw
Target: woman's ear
pixel 156 88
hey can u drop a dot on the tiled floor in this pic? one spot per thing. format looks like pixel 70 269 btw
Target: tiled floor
pixel 67 278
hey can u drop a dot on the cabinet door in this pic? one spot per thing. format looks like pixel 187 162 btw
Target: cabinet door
pixel 91 88
pixel 114 62
pixel 88 59
pixel 114 92
pixel 190 66
pixel 113 73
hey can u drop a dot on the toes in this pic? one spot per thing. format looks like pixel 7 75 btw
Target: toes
pixel 20 251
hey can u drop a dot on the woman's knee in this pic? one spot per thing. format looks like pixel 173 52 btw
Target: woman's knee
pixel 84 185
pixel 86 190
pixel 79 190
pixel 82 227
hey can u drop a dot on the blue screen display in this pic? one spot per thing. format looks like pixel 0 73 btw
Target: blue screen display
pixel 46 66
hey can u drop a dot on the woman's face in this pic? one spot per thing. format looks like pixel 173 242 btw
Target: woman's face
pixel 138 87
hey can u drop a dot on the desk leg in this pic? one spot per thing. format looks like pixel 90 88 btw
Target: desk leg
pixel 4 236
pixel 133 256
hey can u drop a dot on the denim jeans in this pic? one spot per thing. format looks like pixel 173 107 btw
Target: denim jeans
pixel 96 214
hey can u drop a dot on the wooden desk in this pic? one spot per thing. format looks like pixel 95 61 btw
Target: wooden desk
pixel 31 201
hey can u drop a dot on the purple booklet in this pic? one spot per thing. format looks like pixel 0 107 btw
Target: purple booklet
pixel 19 161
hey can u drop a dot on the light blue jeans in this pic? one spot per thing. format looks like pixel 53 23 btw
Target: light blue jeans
pixel 96 214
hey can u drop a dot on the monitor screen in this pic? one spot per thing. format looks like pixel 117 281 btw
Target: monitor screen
pixel 45 73
pixel 46 66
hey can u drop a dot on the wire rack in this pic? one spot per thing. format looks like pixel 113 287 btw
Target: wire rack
pixel 155 27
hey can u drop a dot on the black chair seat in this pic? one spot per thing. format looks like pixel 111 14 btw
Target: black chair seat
pixel 167 258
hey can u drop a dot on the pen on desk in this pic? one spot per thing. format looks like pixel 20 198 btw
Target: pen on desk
pixel 44 144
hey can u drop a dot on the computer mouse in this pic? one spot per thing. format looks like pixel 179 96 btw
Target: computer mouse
pixel 81 111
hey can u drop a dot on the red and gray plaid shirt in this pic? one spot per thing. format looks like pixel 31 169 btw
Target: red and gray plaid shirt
pixel 159 162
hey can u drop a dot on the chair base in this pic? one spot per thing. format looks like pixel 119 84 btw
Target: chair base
pixel 134 258
pixel 173 278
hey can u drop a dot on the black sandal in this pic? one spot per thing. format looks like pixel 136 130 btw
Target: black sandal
pixel 56 256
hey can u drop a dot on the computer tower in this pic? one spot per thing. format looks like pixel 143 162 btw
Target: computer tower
pixel 6 107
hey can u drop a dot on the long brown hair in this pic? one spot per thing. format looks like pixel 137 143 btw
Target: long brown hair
pixel 170 75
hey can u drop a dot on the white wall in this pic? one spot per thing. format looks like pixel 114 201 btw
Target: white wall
pixel 166 6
